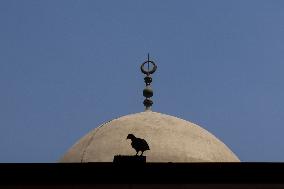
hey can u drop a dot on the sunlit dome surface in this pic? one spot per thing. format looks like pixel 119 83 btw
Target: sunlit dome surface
pixel 170 139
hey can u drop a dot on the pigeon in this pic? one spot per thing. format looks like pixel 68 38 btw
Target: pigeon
pixel 138 144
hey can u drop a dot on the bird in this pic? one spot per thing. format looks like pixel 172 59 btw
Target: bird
pixel 138 144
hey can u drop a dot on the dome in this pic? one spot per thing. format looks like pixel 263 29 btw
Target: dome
pixel 170 139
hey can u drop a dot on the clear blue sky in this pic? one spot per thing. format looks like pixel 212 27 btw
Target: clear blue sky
pixel 66 66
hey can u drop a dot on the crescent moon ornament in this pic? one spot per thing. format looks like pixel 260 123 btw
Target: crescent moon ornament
pixel 148 62
pixel 148 71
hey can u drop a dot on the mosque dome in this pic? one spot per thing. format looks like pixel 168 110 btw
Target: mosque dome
pixel 170 139
pixel 165 138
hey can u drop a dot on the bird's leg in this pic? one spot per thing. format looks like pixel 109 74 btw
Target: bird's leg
pixel 136 153
pixel 141 153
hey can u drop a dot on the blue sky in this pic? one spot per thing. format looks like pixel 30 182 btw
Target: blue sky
pixel 67 66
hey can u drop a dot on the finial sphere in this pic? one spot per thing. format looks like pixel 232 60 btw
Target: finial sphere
pixel 148 92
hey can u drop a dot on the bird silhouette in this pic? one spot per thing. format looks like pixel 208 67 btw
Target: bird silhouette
pixel 138 144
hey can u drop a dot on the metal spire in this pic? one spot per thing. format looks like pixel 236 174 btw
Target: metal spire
pixel 148 92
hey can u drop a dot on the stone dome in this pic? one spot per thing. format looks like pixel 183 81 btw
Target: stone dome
pixel 170 140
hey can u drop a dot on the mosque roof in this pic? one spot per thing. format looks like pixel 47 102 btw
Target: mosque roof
pixel 170 139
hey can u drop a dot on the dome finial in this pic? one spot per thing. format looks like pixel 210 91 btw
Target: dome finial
pixel 148 92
